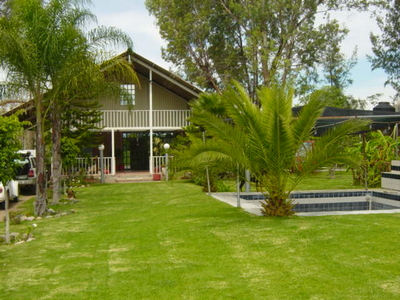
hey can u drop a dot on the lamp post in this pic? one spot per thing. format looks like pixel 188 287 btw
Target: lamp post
pixel 207 173
pixel 101 149
pixel 166 147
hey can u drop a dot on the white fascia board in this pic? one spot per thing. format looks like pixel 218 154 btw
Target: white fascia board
pixel 167 77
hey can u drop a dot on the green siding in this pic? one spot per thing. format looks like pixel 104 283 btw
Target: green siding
pixel 163 99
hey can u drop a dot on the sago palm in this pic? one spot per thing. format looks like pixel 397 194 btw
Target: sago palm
pixel 266 139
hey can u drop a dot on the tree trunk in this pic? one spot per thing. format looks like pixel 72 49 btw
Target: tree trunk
pixel 56 153
pixel 6 208
pixel 277 206
pixel 41 193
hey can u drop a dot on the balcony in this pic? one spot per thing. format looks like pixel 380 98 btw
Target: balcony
pixel 141 119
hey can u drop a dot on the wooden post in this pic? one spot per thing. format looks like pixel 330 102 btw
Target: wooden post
pixel 6 203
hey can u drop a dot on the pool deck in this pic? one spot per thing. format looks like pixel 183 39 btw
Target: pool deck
pixel 254 206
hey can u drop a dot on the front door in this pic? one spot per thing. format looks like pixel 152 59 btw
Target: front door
pixel 136 151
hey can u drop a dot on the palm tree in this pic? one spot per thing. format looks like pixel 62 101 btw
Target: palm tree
pixel 46 53
pixel 266 140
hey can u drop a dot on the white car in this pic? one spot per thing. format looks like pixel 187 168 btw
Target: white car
pixel 26 173
pixel 10 190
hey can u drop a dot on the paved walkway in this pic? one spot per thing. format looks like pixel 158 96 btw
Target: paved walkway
pixel 251 206
pixel 14 205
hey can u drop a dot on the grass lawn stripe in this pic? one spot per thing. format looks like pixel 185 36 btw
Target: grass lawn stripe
pixel 170 241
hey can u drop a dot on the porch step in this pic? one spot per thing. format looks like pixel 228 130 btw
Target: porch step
pixel 131 178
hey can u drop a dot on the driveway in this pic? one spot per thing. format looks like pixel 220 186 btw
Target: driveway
pixel 14 205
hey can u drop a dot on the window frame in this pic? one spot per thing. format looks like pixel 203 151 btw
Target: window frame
pixel 128 94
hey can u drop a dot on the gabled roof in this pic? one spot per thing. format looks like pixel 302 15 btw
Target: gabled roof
pixel 348 112
pixel 162 76
pixel 142 66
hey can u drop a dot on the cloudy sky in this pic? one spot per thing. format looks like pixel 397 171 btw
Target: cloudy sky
pixel 132 17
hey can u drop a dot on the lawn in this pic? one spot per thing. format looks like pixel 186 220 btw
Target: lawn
pixel 170 241
pixel 323 181
pixel 316 181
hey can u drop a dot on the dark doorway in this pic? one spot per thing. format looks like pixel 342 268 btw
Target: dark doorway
pixel 136 146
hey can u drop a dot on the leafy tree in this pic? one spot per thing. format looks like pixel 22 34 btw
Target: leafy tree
pixel 336 67
pixel 10 132
pixel 83 133
pixel 386 47
pixel 266 140
pixel 4 7
pixel 69 152
pixel 335 71
pixel 80 72
pixel 335 97
pixel 46 53
pixel 74 97
pixel 256 42
pixel 22 44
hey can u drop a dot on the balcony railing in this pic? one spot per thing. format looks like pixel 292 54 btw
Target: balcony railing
pixel 159 163
pixel 140 118
pixel 91 166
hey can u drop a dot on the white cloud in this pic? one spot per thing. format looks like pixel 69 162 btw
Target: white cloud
pixel 133 18
pixel 134 23
pixel 360 24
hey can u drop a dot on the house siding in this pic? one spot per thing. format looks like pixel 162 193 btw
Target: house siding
pixel 163 99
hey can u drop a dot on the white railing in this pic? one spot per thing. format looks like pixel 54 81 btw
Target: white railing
pixel 91 166
pixel 171 118
pixel 140 118
pixel 159 163
pixel 124 118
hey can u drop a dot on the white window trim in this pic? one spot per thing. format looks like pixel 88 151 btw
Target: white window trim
pixel 127 91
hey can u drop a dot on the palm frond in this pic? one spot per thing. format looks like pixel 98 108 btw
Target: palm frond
pixel 329 148
pixel 276 114
pixel 304 124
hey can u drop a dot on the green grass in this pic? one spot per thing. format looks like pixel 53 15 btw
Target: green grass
pixel 316 181
pixel 170 241
pixel 323 181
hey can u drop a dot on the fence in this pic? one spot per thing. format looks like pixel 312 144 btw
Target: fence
pixel 159 162
pixel 91 166
pixel 140 118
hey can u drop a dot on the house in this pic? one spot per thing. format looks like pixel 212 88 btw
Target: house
pixel 131 134
pixel 161 109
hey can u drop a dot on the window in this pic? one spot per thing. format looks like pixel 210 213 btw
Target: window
pixel 127 94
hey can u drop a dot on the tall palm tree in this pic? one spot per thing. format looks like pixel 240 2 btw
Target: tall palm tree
pixel 45 52
pixel 267 140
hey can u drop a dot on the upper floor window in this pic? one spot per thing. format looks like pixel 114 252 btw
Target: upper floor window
pixel 127 94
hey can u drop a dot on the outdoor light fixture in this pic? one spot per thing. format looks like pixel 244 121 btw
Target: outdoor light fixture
pixel 166 147
pixel 101 149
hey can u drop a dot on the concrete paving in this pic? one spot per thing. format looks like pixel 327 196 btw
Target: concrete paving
pixel 251 206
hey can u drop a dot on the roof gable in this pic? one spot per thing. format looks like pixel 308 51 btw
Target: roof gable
pixel 162 76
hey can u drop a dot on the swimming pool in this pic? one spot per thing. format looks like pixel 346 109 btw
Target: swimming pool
pixel 321 201
pixel 324 202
